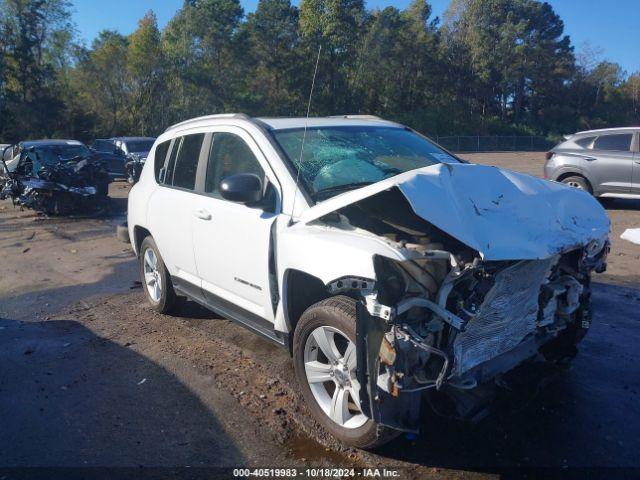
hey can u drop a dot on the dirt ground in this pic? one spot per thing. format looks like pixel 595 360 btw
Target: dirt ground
pixel 90 376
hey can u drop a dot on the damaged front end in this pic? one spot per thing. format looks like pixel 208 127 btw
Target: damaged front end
pixel 485 319
pixel 480 284
pixel 60 188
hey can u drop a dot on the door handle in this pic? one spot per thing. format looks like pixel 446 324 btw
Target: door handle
pixel 590 159
pixel 202 214
pixel 638 162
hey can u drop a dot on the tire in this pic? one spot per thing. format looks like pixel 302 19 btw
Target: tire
pixel 607 202
pixel 578 182
pixel 163 300
pixel 334 315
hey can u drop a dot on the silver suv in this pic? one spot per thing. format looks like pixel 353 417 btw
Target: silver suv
pixel 605 163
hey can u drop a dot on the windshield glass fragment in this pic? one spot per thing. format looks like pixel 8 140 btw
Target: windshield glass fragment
pixel 337 159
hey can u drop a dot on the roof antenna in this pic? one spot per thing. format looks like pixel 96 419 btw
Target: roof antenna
pixel 304 135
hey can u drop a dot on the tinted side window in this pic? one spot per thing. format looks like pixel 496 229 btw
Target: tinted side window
pixel 168 177
pixel 160 157
pixel 186 161
pixel 618 143
pixel 229 155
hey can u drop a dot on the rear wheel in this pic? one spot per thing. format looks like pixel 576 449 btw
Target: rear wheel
pixel 325 364
pixel 156 279
pixel 577 182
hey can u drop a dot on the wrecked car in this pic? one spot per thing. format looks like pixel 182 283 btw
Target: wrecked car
pixel 127 155
pixel 57 177
pixel 136 150
pixel 388 268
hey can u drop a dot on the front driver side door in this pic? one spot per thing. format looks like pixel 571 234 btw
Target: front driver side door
pixel 232 241
pixel 610 164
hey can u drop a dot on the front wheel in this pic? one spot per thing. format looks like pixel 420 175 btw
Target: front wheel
pixel 155 278
pixel 324 352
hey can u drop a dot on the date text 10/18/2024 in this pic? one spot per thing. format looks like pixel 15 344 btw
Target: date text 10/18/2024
pixel 316 472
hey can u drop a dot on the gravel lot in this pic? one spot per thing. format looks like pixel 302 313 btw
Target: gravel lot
pixel 89 376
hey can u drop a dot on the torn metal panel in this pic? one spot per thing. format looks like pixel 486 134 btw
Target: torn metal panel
pixel 388 408
pixel 506 216
pixel 508 314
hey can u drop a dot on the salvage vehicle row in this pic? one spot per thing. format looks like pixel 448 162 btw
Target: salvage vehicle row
pixel 59 177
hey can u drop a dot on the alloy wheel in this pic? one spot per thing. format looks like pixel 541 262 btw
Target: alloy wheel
pixel 575 185
pixel 330 367
pixel 152 276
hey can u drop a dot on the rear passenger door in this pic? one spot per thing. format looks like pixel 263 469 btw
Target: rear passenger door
pixel 232 240
pixel 611 164
pixel 172 205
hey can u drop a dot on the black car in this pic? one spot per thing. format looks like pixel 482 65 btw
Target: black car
pixel 54 176
pixel 114 158
pixel 131 151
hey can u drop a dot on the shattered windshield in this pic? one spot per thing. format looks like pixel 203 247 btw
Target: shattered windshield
pixel 52 154
pixel 337 159
pixel 139 146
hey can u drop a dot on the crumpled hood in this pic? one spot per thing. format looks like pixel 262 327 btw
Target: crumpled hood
pixel 502 214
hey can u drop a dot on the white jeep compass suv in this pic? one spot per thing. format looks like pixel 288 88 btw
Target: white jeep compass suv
pixel 386 266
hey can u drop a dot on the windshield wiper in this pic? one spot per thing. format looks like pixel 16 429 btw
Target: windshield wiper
pixel 339 188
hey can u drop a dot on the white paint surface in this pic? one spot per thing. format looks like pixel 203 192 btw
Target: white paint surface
pixel 631 235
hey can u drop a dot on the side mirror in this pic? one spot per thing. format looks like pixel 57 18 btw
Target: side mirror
pixel 242 188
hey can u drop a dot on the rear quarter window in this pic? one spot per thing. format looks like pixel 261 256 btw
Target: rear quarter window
pixel 185 166
pixel 585 142
pixel 160 157
pixel 614 143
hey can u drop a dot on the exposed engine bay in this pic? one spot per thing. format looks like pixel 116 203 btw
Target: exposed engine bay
pixel 448 320
pixel 55 188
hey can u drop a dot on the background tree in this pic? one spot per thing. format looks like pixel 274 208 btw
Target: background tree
pixel 274 58
pixel 145 74
pixel 100 80
pixel 491 67
pixel 204 57
pixel 336 26
pixel 31 30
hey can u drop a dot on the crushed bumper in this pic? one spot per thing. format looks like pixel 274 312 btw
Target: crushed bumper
pixel 525 314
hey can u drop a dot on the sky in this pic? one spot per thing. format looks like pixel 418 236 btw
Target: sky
pixel 611 27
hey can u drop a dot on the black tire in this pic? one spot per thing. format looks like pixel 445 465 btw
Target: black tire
pixel 168 301
pixel 338 312
pixel 578 182
pixel 607 202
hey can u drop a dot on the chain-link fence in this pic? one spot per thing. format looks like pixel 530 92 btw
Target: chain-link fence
pixel 495 143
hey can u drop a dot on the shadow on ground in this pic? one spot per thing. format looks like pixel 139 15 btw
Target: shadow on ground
pixel 70 398
pixel 121 278
pixel 620 204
